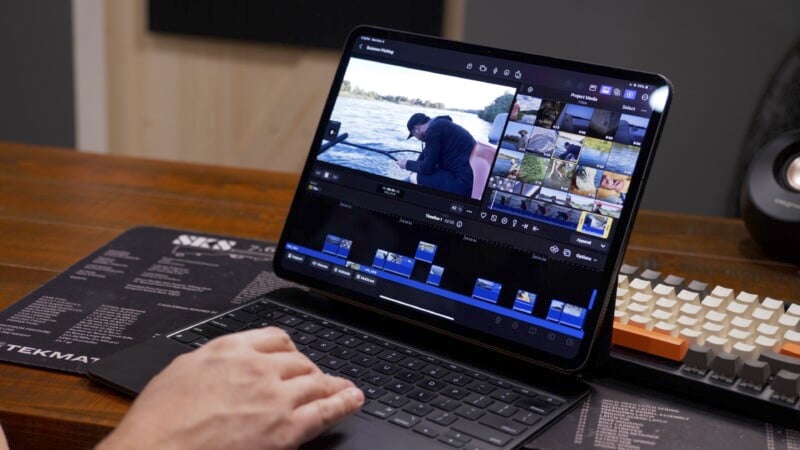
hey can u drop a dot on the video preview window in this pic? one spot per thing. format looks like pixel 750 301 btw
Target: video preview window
pixel 423 128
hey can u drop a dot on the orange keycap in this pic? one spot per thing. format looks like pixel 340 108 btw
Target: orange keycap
pixel 651 342
pixel 791 349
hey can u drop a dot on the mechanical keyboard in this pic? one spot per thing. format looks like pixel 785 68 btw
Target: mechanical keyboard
pixel 458 406
pixel 729 348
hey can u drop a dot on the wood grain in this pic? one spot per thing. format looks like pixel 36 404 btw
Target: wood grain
pixel 57 206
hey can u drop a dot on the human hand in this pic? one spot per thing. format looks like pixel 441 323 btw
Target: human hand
pixel 402 163
pixel 248 390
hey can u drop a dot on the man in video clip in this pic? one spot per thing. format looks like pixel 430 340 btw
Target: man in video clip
pixel 444 162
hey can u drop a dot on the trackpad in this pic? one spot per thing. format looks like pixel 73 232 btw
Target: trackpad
pixel 362 433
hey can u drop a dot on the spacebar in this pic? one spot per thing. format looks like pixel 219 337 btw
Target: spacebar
pixel 481 432
pixel 650 342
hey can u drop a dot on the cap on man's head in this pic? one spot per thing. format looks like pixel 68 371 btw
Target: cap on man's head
pixel 416 119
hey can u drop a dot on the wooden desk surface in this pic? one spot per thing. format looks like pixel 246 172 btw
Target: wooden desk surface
pixel 57 206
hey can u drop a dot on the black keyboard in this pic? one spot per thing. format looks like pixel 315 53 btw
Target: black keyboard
pixel 456 405
pixel 752 366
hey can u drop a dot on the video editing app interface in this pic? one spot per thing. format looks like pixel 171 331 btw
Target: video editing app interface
pixel 476 190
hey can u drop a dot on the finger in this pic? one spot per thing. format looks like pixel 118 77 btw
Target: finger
pixel 313 418
pixel 307 388
pixel 292 364
pixel 267 340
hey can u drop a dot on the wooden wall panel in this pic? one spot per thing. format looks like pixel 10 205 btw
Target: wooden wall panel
pixel 213 101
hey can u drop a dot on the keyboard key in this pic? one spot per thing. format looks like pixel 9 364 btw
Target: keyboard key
pixel 534 405
pixel 526 417
pixel 376 378
pixel 422 395
pixel 313 354
pixel 778 362
pixel 434 371
pixel 331 362
pixel 431 384
pixel 186 337
pixel 725 367
pixel 303 338
pixel 426 431
pixel 386 368
pixel 199 342
pixel 364 361
pixel 395 400
pixel 372 392
pixel 503 409
pixel 378 409
pixel 349 341
pixel 698 359
pixel 270 314
pixel 754 375
pixel 354 371
pixel 329 334
pixel 227 324
pixel 442 418
pixel 455 392
pixel 399 387
pixel 459 379
pixel 505 396
pixel 408 376
pixel 786 386
pixel 255 307
pixel 792 347
pixel 451 441
pixel 482 432
pixel 413 363
pixel 391 356
pixel 343 352
pixel 481 401
pixel 404 419
pixel 481 387
pixel 309 327
pixel 323 346
pixel 445 403
pixel 289 321
pixel 502 424
pixel 418 409
pixel 470 412
pixel 370 349
pixel 635 338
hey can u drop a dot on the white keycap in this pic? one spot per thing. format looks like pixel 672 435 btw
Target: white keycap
pixel 748 352
pixel 737 309
pixel 638 308
pixel 622 281
pixel 663 290
pixel 692 336
pixel 640 285
pixel 794 309
pixel 768 330
pixel 773 304
pixel 623 293
pixel 764 343
pixel 747 298
pixel 723 293
pixel 690 297
pixel 763 315
pixel 689 322
pixel 641 321
pixel 791 336
pixel 788 321
pixel 711 303
pixel 621 316
pixel 715 329
pixel 719 344
pixel 716 317
pixel 660 315
pixel 743 323
pixel 691 310
pixel 640 297
pixel 666 328
pixel 667 304
pixel 737 335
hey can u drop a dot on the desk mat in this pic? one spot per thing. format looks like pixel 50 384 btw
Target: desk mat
pixel 151 280
pixel 145 282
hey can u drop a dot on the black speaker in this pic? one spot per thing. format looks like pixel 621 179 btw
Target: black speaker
pixel 771 196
